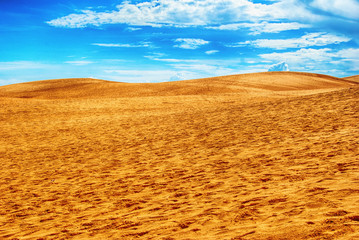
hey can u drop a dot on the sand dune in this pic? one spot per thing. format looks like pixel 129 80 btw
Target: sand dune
pixel 353 78
pixel 261 83
pixel 275 157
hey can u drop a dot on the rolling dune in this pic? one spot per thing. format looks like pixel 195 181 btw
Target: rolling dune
pixel 262 84
pixel 254 156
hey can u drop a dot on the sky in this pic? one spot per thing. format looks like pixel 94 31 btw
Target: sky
pixel 169 40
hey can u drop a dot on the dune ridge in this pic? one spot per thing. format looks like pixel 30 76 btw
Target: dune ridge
pixel 353 78
pixel 262 83
pixel 271 160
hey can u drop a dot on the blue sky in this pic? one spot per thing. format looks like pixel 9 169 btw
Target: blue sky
pixel 166 40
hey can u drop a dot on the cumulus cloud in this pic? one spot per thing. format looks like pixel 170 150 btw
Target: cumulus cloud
pixel 308 60
pixel 308 40
pixel 279 67
pixel 158 13
pixel 325 60
pixel 189 43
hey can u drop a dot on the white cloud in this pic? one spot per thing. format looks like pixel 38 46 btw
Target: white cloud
pixel 342 8
pixel 79 63
pixel 205 70
pixel 315 60
pixel 132 29
pixel 307 60
pixel 174 60
pixel 309 40
pixel 301 56
pixel 349 54
pixel 326 60
pixel 211 52
pixel 16 65
pixel 282 67
pixel 263 27
pixel 186 13
pixel 190 43
pixel 350 57
pixel 124 45
pixel 159 57
pixel 178 76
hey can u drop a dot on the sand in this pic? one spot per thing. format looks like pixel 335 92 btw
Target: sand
pixel 257 156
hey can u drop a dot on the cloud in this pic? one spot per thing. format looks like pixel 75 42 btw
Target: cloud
pixel 174 60
pixel 159 13
pixel 262 27
pixel 158 57
pixel 138 75
pixel 349 54
pixel 132 29
pixel 349 57
pixel 16 65
pixel 190 43
pixel 301 56
pixel 309 40
pixel 282 66
pixel 79 63
pixel 211 52
pixel 124 45
pixel 201 70
pixel 306 60
pixel 342 8
pixel 178 76
pixel 325 60
pixel 147 75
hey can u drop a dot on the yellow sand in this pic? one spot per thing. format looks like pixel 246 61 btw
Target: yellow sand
pixel 256 156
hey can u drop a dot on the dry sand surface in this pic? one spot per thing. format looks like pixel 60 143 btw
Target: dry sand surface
pixel 256 156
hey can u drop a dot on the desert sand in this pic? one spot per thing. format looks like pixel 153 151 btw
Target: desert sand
pixel 253 156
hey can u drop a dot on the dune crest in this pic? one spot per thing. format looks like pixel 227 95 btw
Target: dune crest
pixel 353 78
pixel 262 83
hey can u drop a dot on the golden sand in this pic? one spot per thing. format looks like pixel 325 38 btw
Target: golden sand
pixel 255 156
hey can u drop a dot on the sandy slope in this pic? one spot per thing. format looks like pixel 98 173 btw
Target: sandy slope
pixel 209 165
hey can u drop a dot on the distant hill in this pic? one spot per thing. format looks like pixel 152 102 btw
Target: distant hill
pixel 265 83
pixel 354 78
